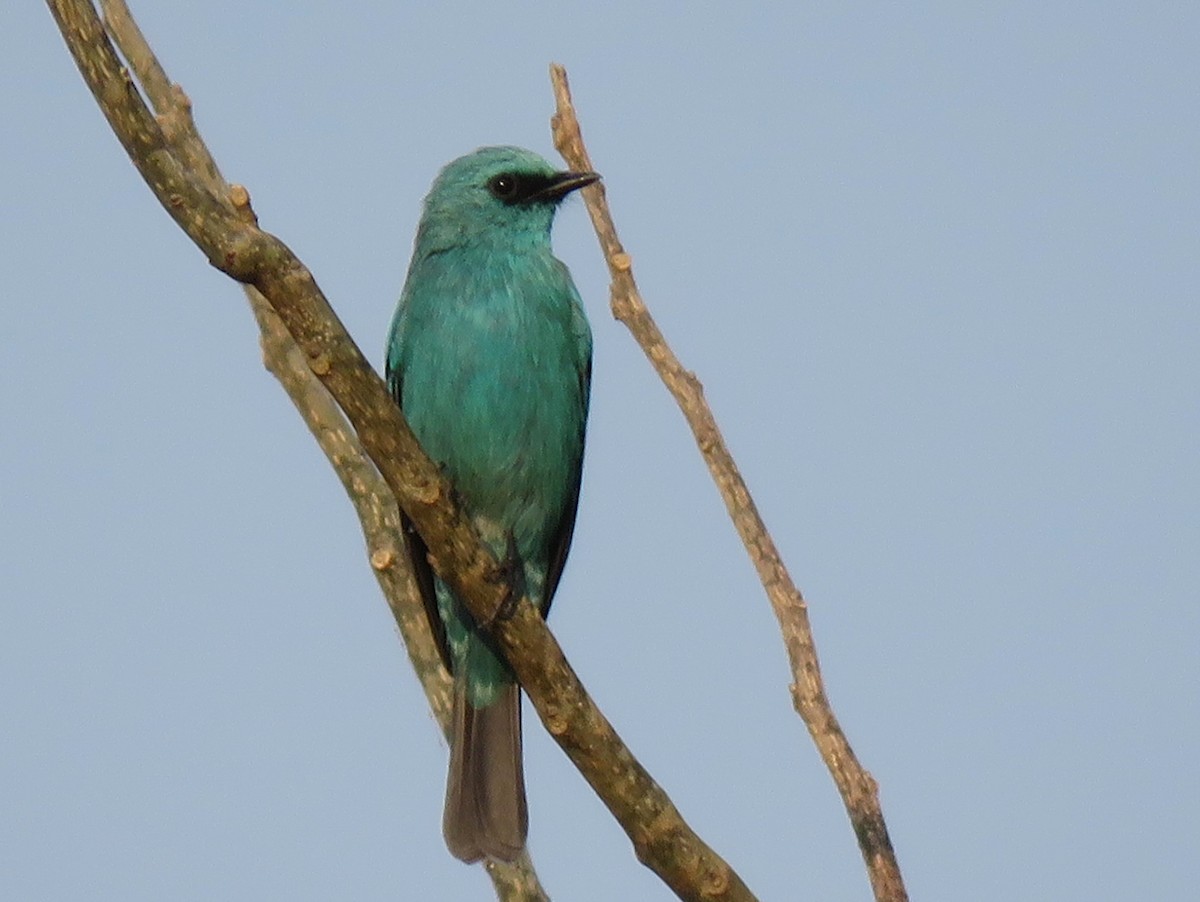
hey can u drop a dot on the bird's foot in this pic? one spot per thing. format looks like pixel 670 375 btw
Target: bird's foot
pixel 512 571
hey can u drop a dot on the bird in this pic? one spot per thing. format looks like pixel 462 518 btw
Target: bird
pixel 489 356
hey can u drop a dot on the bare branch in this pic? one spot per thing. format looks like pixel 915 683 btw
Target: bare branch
pixel 373 501
pixel 222 225
pixel 374 504
pixel 859 790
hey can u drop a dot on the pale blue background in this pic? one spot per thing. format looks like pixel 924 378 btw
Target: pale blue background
pixel 938 269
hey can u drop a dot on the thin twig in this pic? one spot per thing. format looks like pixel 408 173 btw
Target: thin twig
pixel 859 790
pixel 226 232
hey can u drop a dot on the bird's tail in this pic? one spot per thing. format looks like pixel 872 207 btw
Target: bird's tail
pixel 485 811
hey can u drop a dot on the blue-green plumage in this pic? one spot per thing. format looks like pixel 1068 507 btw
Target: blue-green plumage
pixel 490 357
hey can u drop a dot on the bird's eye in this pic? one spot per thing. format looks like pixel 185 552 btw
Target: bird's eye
pixel 503 187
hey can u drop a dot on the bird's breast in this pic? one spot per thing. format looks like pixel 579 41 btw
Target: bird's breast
pixel 492 389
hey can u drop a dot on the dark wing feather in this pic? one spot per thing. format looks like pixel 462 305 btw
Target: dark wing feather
pixel 418 556
pixel 418 553
pixel 560 543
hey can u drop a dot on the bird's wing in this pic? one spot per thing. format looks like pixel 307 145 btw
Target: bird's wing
pixel 560 542
pixel 418 553
pixel 418 557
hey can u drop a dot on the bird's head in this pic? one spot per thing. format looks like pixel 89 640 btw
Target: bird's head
pixel 496 195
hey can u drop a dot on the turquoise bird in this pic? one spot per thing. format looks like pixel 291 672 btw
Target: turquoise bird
pixel 490 357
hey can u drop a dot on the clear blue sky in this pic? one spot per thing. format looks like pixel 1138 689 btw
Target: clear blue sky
pixel 939 270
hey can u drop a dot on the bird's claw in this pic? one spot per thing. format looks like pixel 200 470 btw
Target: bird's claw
pixel 512 570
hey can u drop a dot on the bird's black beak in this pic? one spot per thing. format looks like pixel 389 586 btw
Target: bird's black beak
pixel 561 184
